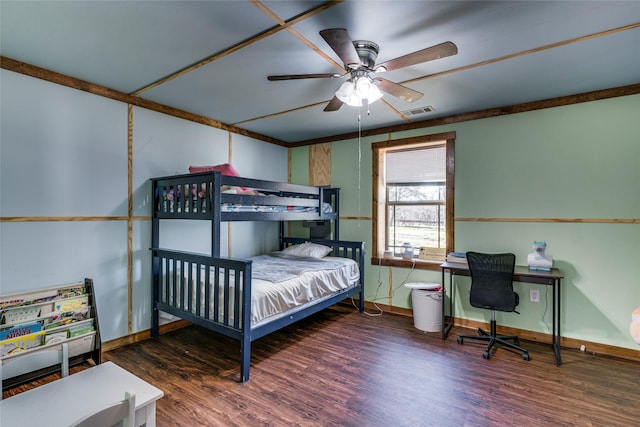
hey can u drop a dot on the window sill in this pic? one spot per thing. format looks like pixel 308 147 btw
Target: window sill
pixel 420 264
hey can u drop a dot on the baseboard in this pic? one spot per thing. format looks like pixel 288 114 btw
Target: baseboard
pixel 142 335
pixel 568 343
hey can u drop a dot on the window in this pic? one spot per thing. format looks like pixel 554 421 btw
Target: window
pixel 413 199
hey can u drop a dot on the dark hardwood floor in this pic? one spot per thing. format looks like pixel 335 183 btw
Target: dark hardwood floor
pixel 340 368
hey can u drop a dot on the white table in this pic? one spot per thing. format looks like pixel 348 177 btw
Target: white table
pixel 65 401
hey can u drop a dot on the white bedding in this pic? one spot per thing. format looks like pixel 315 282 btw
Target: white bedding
pixel 271 299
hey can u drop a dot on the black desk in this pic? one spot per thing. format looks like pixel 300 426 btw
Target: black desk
pixel 521 274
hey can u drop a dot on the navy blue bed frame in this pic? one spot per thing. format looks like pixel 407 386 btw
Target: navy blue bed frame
pixel 196 196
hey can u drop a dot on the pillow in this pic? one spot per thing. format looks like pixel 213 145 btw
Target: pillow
pixel 308 249
pixel 224 168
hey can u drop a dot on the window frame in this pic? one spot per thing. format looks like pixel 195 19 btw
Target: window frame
pixel 379 197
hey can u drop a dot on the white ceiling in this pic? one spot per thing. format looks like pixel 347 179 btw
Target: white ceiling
pixel 509 52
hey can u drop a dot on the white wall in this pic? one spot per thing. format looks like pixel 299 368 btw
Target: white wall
pixel 64 157
pixel 63 154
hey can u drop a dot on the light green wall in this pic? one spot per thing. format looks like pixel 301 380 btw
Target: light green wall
pixel 300 165
pixel 577 161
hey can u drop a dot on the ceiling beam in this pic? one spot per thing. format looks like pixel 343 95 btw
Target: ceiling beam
pixel 297 34
pixel 72 82
pixel 633 89
pixel 483 63
pixel 260 36
pixel 527 52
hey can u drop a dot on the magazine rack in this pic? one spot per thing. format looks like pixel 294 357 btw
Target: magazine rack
pixel 46 331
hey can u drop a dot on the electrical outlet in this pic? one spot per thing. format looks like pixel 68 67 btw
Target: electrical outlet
pixel 534 295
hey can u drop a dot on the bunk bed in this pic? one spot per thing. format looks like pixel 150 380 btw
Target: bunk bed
pixel 237 297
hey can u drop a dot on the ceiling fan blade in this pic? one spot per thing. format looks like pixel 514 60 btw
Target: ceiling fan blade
pixel 304 76
pixel 397 90
pixel 333 105
pixel 341 43
pixel 438 51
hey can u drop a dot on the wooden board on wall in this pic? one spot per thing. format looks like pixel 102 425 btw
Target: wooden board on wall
pixel 320 164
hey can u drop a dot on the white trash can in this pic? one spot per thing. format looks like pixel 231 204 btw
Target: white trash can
pixel 426 299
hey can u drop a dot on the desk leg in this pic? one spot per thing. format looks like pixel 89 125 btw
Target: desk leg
pixel 554 315
pixel 446 327
pixel 556 323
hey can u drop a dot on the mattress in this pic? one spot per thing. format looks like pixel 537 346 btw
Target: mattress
pixel 195 201
pixel 303 283
pixel 231 207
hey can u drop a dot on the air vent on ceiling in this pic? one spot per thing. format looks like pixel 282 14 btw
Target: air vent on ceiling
pixel 418 111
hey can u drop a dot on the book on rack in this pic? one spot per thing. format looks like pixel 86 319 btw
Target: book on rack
pixel 81 328
pixel 55 337
pixel 457 258
pixel 19 330
pixel 20 337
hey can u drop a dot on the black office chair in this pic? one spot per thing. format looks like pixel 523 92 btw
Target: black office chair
pixel 492 288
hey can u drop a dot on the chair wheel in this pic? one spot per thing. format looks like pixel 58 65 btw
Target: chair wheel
pixel 460 340
pixel 526 356
pixel 486 355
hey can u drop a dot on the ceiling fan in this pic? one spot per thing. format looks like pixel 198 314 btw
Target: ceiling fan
pixel 359 58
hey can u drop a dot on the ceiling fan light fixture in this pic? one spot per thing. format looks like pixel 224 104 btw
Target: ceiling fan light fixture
pixel 367 89
pixel 347 94
pixel 354 101
pixel 363 86
pixel 374 94
pixel 354 92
